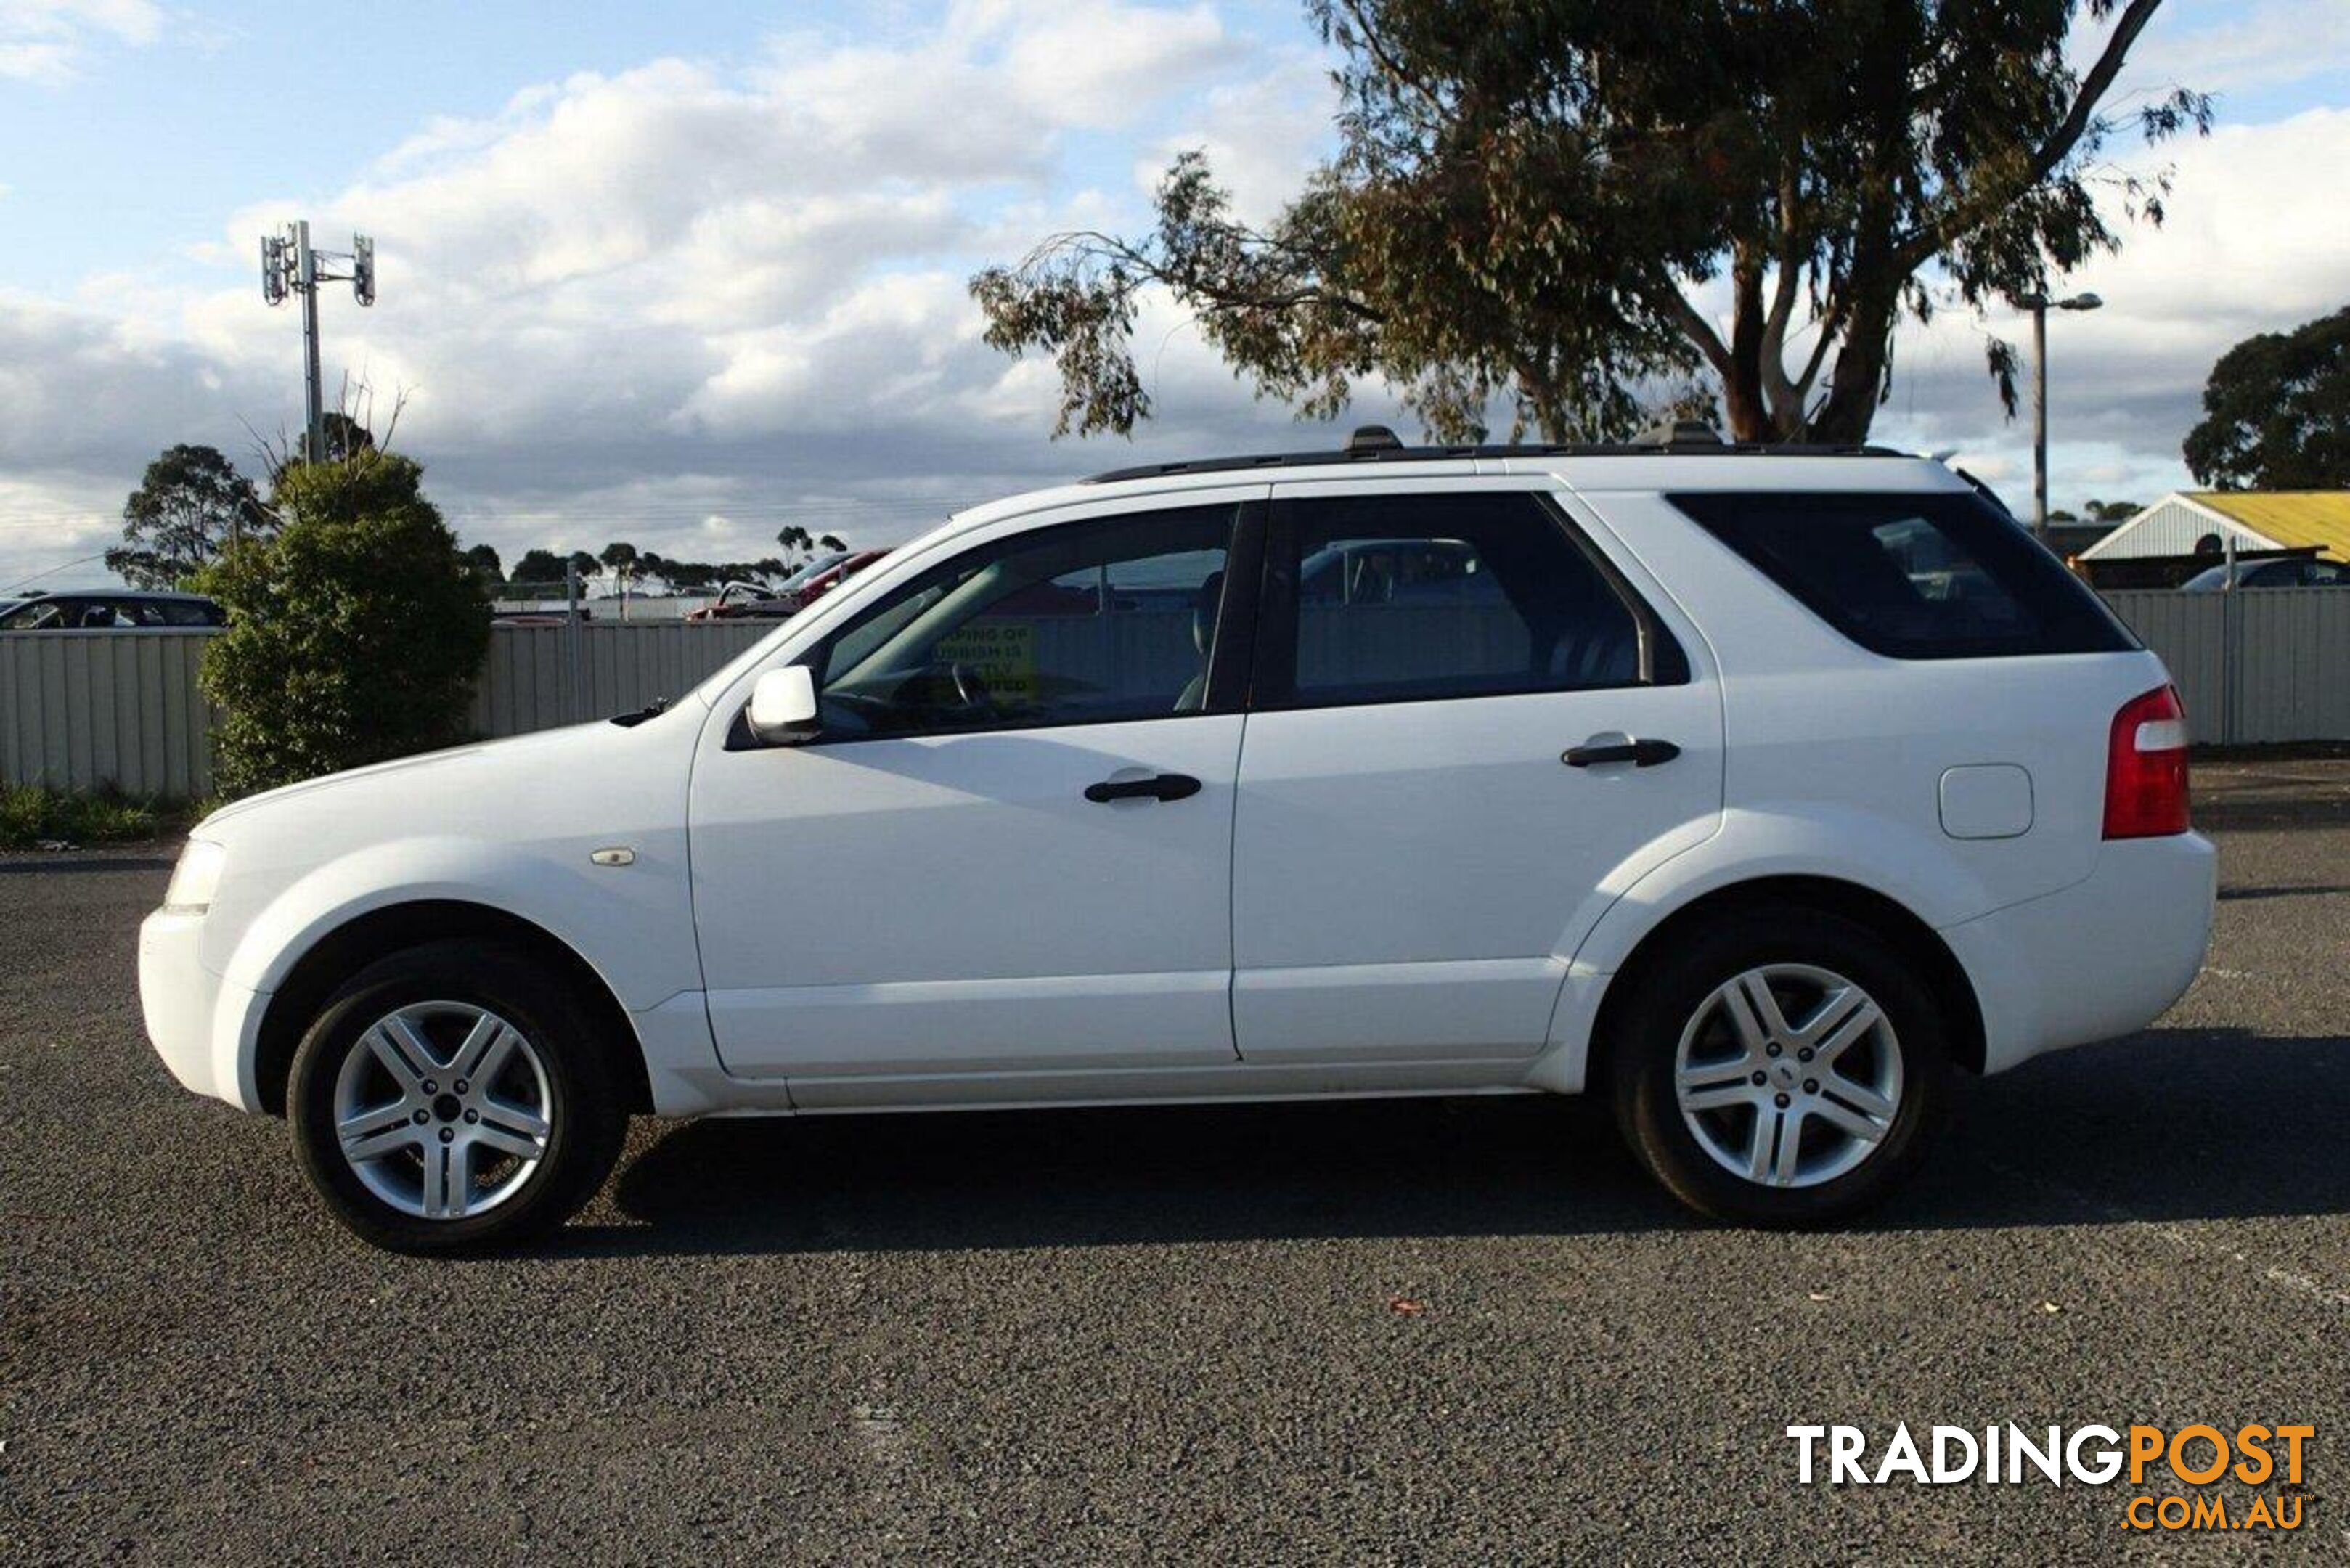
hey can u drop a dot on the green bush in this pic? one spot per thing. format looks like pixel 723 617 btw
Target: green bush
pixel 356 631
pixel 29 816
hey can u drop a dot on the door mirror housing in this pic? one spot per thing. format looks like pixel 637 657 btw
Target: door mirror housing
pixel 782 706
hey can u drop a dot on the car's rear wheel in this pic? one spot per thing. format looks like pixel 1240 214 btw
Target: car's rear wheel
pixel 454 1096
pixel 1784 1067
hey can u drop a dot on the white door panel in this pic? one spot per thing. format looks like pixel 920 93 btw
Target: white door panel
pixel 1040 1023
pixel 1411 876
pixel 955 902
pixel 1456 1010
pixel 1414 861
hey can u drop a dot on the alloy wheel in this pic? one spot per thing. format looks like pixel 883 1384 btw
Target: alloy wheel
pixel 1788 1076
pixel 442 1109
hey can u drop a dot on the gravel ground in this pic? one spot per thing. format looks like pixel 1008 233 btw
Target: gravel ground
pixel 1392 1331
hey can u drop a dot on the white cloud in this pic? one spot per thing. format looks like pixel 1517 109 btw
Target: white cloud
pixel 2257 240
pixel 1262 136
pixel 2230 48
pixel 674 298
pixel 685 305
pixel 46 41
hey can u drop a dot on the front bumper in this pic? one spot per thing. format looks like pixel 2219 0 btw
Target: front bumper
pixel 192 1015
pixel 2105 957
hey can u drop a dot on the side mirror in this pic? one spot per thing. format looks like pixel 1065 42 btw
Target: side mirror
pixel 782 706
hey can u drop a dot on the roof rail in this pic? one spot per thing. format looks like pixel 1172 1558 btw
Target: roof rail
pixel 1377 443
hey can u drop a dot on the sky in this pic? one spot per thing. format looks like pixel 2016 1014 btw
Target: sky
pixel 684 274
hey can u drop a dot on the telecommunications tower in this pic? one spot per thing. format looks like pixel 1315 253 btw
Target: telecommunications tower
pixel 288 265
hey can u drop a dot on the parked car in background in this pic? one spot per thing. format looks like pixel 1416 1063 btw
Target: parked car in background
pixel 101 610
pixel 824 582
pixel 2300 572
pixel 763 601
pixel 1762 792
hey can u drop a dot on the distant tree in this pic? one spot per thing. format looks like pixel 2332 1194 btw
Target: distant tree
pixel 619 558
pixel 833 542
pixel 2276 411
pixel 795 540
pixel 344 436
pixel 191 503
pixel 585 564
pixel 356 631
pixel 341 435
pixel 538 568
pixel 2061 516
pixel 483 559
pixel 1525 202
pixel 2112 511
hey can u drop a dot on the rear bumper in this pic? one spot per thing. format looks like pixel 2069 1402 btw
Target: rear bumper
pixel 2102 958
pixel 189 1011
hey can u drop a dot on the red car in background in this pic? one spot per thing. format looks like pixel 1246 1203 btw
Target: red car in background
pixel 824 582
pixel 791 598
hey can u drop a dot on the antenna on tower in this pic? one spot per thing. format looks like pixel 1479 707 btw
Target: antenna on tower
pixel 288 265
pixel 273 269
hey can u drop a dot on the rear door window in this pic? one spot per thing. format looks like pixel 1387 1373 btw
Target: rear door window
pixel 1939 576
pixel 1419 596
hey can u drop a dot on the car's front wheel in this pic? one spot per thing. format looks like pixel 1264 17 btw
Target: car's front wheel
pixel 1784 1067
pixel 452 1096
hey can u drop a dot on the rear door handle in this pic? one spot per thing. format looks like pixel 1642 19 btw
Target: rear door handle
pixel 1159 786
pixel 1639 753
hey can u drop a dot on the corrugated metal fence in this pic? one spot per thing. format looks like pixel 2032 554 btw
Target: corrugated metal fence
pixel 2267 665
pixel 537 676
pixel 79 710
pixel 82 708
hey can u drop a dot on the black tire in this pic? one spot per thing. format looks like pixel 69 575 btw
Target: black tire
pixel 1645 1038
pixel 585 1117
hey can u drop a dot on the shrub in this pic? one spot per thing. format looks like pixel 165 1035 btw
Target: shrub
pixel 30 815
pixel 355 633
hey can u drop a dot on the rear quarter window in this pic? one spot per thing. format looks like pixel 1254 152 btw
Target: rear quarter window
pixel 1931 575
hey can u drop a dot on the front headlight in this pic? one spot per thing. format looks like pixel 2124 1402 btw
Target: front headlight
pixel 194 879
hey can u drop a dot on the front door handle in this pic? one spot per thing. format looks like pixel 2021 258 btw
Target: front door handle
pixel 1159 786
pixel 1639 753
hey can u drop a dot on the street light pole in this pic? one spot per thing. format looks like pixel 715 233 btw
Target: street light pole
pixel 2038 303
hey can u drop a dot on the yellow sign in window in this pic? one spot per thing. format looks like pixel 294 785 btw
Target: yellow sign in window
pixel 1003 653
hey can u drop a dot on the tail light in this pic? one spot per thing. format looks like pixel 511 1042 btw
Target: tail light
pixel 2145 768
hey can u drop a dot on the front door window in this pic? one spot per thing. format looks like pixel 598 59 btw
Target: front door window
pixel 1103 621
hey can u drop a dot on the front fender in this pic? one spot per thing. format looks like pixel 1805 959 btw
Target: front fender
pixel 632 925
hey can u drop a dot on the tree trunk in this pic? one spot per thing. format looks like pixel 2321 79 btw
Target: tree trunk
pixel 1742 406
pixel 1857 385
pixel 1743 401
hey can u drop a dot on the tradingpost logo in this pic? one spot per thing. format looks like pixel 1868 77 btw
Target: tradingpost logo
pixel 2247 1479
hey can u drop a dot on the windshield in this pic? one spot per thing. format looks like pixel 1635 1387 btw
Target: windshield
pixel 821 564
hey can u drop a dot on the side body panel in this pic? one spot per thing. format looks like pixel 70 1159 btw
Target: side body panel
pixel 509 825
pixel 1835 758
pixel 879 912
pixel 1411 876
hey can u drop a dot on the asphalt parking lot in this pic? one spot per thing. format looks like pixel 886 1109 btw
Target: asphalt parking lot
pixel 1391 1331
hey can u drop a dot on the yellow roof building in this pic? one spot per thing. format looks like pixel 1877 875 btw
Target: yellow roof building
pixel 2259 519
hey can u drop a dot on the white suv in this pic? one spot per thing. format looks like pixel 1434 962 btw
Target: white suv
pixel 1756 791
